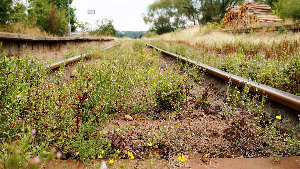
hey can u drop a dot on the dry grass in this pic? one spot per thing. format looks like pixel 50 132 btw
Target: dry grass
pixel 206 35
pixel 24 29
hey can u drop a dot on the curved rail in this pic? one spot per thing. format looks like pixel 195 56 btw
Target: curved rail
pixel 55 65
pixel 276 95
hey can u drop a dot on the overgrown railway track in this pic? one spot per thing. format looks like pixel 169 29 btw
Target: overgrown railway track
pixel 276 95
pixel 57 64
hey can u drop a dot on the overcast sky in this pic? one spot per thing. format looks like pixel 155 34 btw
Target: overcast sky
pixel 126 14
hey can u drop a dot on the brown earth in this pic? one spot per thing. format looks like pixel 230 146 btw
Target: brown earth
pixel 192 163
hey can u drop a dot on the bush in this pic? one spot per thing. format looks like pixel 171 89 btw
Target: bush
pixel 288 9
pixel 48 17
pixel 169 95
pixel 105 27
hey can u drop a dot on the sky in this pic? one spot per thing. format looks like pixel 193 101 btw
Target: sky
pixel 126 14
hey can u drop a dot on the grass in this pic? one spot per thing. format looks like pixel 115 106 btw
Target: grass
pixel 271 59
pixel 23 29
pixel 70 113
pixel 81 116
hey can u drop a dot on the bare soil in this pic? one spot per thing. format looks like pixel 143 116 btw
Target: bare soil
pixel 192 163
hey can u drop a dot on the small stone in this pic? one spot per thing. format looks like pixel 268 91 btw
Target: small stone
pixel 128 117
pixel 205 158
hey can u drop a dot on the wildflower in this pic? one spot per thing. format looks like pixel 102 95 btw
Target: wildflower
pixel 278 117
pixel 111 161
pixel 182 158
pixel 53 149
pixel 36 160
pixel 130 155
pixel 109 145
pixel 103 165
pixel 33 132
pixel 58 155
pixel 150 144
pixel 118 151
pixel 100 156
pixel 76 154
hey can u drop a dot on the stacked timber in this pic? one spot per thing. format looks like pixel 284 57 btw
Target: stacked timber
pixel 249 14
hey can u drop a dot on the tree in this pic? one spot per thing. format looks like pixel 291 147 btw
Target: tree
pixel 168 15
pixel 190 9
pixel 290 9
pixel 5 11
pixel 48 17
pixel 105 27
pixel 164 16
pixel 19 12
pixel 284 8
pixel 63 4
pixel 40 10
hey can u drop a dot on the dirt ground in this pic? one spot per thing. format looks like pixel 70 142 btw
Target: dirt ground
pixel 192 163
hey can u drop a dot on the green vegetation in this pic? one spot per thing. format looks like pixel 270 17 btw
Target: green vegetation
pixel 105 27
pixel 54 115
pixel 131 34
pixel 50 16
pixel 271 60
pixel 67 115
pixel 168 15
pixel 5 11
pixel 284 8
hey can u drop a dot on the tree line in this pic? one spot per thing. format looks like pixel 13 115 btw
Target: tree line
pixel 50 16
pixel 168 15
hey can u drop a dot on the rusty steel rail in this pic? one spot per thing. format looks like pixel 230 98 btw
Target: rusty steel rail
pixel 276 95
pixel 55 65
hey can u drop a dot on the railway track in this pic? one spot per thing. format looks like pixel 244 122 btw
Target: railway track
pixel 284 98
pixel 57 64
pixel 276 95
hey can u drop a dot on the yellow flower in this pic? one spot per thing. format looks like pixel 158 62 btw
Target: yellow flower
pixel 182 158
pixel 100 156
pixel 76 154
pixel 109 145
pixel 130 155
pixel 111 161
pixel 150 144
pixel 118 151
pixel 278 117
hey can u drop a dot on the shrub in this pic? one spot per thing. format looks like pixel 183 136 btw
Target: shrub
pixel 168 96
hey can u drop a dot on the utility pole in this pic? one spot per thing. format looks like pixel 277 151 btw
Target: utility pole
pixel 69 24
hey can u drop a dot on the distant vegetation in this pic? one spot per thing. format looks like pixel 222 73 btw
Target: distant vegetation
pixel 105 27
pixel 167 15
pixel 50 16
pixel 131 34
